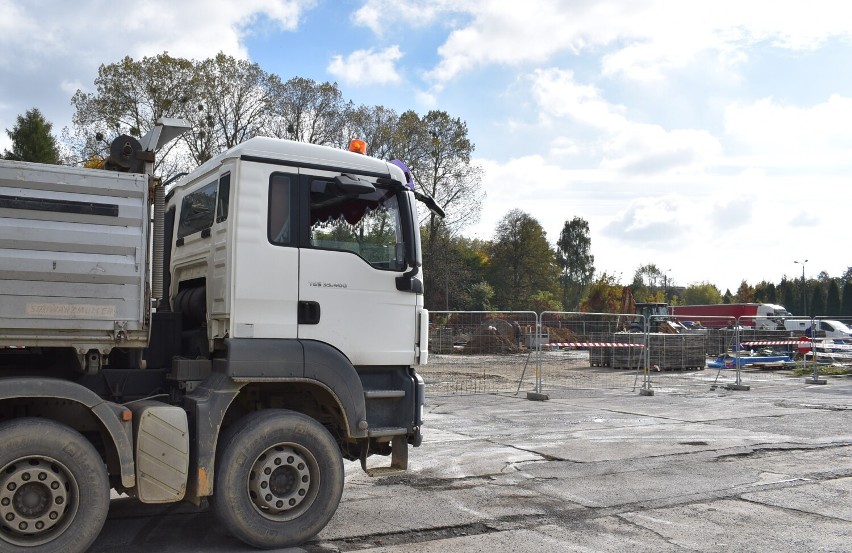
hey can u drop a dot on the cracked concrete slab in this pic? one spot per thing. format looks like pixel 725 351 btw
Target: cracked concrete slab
pixel 761 471
pixel 832 499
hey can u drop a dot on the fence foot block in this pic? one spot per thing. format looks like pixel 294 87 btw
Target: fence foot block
pixel 738 387
pixel 816 381
pixel 646 392
pixel 535 396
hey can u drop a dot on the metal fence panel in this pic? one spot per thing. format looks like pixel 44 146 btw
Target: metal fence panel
pixel 587 351
pixel 514 351
pixel 475 352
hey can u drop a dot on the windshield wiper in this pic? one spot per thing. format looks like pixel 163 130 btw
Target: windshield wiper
pixel 398 186
pixel 430 202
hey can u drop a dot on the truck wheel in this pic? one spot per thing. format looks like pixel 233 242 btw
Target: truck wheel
pixel 278 478
pixel 54 489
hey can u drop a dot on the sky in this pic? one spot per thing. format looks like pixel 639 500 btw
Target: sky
pixel 712 139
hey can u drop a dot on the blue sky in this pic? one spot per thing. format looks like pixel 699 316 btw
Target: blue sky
pixel 710 138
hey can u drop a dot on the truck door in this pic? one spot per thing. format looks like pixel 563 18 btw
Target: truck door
pixel 351 252
pixel 266 255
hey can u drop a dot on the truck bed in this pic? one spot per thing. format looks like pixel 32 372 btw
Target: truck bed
pixel 73 251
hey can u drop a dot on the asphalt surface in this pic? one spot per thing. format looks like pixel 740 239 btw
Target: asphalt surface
pixel 764 470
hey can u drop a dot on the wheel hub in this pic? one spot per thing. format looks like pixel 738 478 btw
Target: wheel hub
pixel 34 496
pixel 280 480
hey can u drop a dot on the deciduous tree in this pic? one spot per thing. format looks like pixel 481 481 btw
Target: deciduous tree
pixel 604 296
pixel 376 125
pixel 130 96
pixel 234 104
pixel 647 280
pixel 521 262
pixel 575 261
pixel 308 111
pixel 702 294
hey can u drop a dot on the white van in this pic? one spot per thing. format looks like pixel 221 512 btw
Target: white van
pixel 825 328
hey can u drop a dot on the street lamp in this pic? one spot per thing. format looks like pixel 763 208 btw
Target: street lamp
pixel 804 290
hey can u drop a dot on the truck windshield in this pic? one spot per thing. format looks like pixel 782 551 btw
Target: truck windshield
pixel 369 225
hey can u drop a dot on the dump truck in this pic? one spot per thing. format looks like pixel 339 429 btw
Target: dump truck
pixel 230 342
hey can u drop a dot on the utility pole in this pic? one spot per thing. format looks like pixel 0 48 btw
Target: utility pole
pixel 804 288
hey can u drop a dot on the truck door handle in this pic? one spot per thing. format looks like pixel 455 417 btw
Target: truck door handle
pixel 309 313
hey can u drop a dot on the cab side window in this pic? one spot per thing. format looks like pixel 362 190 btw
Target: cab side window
pixel 197 210
pixel 223 198
pixel 279 227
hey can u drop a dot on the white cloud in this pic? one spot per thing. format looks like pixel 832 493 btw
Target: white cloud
pixel 364 67
pixel 621 144
pixel 706 228
pixel 654 222
pixel 70 87
pixel 648 38
pixel 161 25
pixel 42 53
pixel 559 95
pixel 381 15
pixel 426 99
pixel 780 135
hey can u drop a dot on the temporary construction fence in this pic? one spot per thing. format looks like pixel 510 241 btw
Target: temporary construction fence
pixel 481 351
pixel 520 351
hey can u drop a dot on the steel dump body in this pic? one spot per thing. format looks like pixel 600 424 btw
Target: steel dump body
pixel 73 250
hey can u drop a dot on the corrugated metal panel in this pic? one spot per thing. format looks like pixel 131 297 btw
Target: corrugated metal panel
pixel 72 254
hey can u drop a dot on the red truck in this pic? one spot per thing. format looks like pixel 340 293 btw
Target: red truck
pixel 761 316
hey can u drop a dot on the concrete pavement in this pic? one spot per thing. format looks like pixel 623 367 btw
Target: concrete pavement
pixel 765 470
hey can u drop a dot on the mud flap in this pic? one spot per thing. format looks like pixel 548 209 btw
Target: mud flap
pixel 399 458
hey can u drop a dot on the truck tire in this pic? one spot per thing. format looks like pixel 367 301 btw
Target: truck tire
pixel 54 488
pixel 278 478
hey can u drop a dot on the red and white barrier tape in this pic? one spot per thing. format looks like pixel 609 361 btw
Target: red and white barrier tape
pixel 596 344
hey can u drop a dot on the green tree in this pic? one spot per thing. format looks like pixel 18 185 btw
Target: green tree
pixel 846 300
pixel 438 151
pixel 234 103
pixel 575 261
pixel 450 278
pixel 522 264
pixel 647 281
pixel 32 139
pixel 481 297
pixel 376 125
pixel 745 293
pixel 765 292
pixel 308 111
pixel 832 299
pixel 727 297
pixel 545 300
pixel 701 294
pixel 130 96
pixel 791 300
pixel 817 307
pixel 604 296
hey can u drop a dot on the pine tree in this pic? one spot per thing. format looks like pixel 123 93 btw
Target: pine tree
pixel 846 301
pixel 31 139
pixel 832 300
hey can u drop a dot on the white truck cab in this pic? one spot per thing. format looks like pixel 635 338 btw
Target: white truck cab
pixel 295 241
